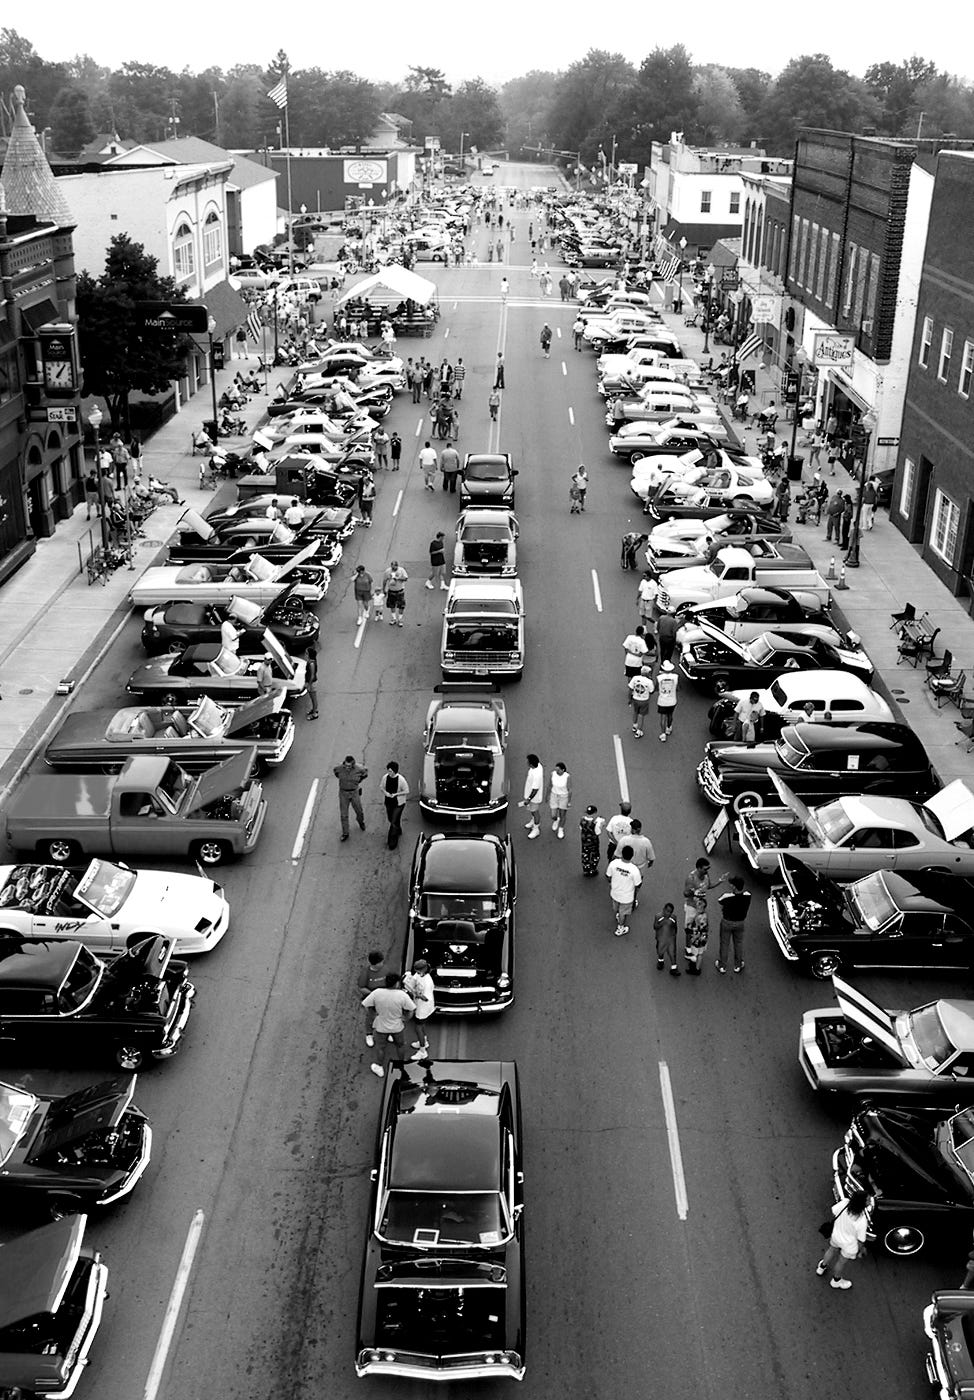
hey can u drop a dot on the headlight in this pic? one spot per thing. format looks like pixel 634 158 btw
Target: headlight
pixel 503 982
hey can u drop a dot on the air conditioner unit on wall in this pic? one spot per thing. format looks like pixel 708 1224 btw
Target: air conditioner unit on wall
pixel 867 327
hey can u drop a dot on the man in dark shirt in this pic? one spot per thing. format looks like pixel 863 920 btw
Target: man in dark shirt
pixel 666 630
pixel 734 906
pixel 350 779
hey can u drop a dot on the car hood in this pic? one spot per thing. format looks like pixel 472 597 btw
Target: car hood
pixel 869 1017
pixel 167 898
pixel 808 887
pixel 909 1139
pixel 254 710
pixel 36 1268
pixel 77 1116
pixel 747 758
pixel 224 778
pixel 148 959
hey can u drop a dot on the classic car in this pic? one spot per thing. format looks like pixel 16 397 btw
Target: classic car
pixel 739 566
pixel 700 490
pixel 950 1338
pixel 854 836
pixel 207 668
pixel 688 539
pixel 917 1164
pixel 756 609
pixel 628 383
pixel 818 761
pixel 486 542
pixel 305 475
pixel 825 697
pixel 463 890
pixel 656 466
pixel 883 921
pixel 487 479
pixel 634 441
pixel 52 1292
pixel 307 418
pixel 921 1056
pixel 327 523
pixel 197 736
pixel 111 908
pixel 175 625
pixel 483 629
pixel 668 551
pixel 718 661
pixel 611 329
pixel 235 539
pixel 442 1293
pixel 465 753
pixel 658 403
pixel 258 579
pixel 60 1003
pixel 72 1151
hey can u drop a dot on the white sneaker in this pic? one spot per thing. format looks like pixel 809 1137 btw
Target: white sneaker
pixel 370 1040
pixel 528 826
pixel 662 738
pixel 621 929
pixel 420 1055
pixel 534 833
pixel 378 1070
pixel 561 833
pixel 444 586
pixel 429 584
pixel 554 826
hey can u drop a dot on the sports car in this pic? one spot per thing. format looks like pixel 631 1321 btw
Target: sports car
pixel 727 487
pixel 853 836
pixel 689 539
pixel 176 625
pixel 234 539
pixel 258 579
pixel 52 1292
pixel 74 1151
pixel 486 542
pixel 110 908
pixel 634 441
pixel 883 921
pixel 667 551
pixel 463 890
pixel 758 609
pixel 442 1295
pixel 827 697
pixel 207 668
pixel 719 662
pixel 819 761
pixel 196 736
pixel 465 754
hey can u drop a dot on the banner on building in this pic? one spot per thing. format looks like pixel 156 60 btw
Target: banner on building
pixel 833 349
pixel 364 173
pixel 765 308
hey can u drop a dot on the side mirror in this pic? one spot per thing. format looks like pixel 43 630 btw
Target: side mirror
pixel 373 1175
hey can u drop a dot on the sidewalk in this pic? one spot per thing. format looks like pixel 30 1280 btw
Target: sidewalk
pixel 891 574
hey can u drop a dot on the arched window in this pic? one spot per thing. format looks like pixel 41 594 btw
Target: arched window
pixel 212 239
pixel 184 260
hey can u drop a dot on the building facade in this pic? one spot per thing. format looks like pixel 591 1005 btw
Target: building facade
pixel 323 181
pixel 698 192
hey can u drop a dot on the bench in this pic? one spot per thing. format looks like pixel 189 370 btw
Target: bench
pixel 916 640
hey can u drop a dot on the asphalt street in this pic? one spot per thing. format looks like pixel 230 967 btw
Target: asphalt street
pixel 670 1251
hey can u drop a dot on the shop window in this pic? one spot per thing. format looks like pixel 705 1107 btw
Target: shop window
pixel 823 257
pixel 705 201
pixel 926 340
pixel 184 261
pixel 946 522
pixel 946 350
pixel 833 272
pixel 212 240
pixel 908 483
pixel 966 370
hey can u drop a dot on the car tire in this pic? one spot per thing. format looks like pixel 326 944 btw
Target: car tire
pixel 210 853
pixel 903 1240
pixel 637 456
pixel 60 851
pixel 747 800
pixel 129 1057
pixel 822 964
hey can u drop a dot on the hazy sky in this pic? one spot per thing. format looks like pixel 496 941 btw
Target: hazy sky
pixel 499 39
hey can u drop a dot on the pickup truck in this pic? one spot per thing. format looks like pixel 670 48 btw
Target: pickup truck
pixel 780 566
pixel 153 807
pixel 483 630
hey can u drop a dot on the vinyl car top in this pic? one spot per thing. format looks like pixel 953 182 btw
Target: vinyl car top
pixel 433 1153
pixel 454 719
pixel 38 965
pixel 460 866
pixel 36 1269
pixel 875 737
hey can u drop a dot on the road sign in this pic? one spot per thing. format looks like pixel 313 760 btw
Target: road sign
pixel 166 318
pixel 626 168
pixel 887 442
pixel 67 414
pixel 717 830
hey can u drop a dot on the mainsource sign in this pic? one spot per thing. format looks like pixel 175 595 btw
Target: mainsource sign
pixel 833 350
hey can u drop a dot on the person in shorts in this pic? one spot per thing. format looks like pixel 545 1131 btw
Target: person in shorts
pixel 640 689
pixel 624 880
pixel 533 796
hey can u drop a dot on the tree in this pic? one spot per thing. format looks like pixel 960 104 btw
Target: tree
pixel 752 88
pixel 116 360
pixel 810 92
pixel 332 109
pixel 525 105
pixel 199 97
pixel 142 96
pixel 420 100
pixel 942 104
pixel 662 100
pixel 586 93
pixel 244 117
pixel 473 110
pixel 894 87
pixel 72 125
pixel 719 118
pixel 21 63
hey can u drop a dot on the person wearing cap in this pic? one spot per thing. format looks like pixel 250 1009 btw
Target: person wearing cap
pixel 667 683
pixel 640 689
pixel 419 985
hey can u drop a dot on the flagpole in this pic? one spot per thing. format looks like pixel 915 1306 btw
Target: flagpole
pixel 290 206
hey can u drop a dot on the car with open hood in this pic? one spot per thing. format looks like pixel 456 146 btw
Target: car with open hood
pixel 483 629
pixel 883 921
pixel 718 662
pixel 52 1293
pixel 207 668
pixel 62 1004
pixel 824 697
pixel 443 1291
pixel 666 495
pixel 759 608
pixel 948 1324
pixel 487 479
pixel 329 524
pixel 72 1152
pixel 863 1050
pixel 465 776
pixel 486 542
pixel 175 625
pixel 463 893
pixel 257 579
pixel 235 539
pixel 855 835
pixel 675 544
pixel 109 907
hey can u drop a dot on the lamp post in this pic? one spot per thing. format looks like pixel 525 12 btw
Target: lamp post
pixel 709 283
pixel 94 422
pixel 867 426
pixel 800 360
pixel 462 135
pixel 210 328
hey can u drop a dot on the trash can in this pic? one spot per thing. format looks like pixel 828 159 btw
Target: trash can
pixel 795 465
pixel 210 429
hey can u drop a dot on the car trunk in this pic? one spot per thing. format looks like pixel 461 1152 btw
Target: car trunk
pixel 485 556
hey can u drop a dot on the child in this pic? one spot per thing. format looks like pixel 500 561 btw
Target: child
pixel 575 496
pixel 697 935
pixel 378 604
pixel 494 403
pixel 665 928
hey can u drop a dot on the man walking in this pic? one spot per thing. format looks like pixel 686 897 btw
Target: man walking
pixel 505 288
pixel 311 679
pixel 395 449
pixel 366 498
pixel 362 587
pixel 578 331
pixel 624 880
pixel 394 587
pixel 416 382
pixel 869 503
pixel 833 517
pixel 437 561
pixel 847 513
pixel 392 1007
pixel 640 689
pixel 618 827
pixel 372 975
pixel 533 796
pixel 428 460
pixel 350 777
pixel 494 403
pixel 643 855
pixel 380 442
pixel 667 683
pixel 459 375
pixel 499 372
pixel 395 791
pixel 546 341
pixel 666 630
pixel 635 651
pixel 450 467
pixel 734 906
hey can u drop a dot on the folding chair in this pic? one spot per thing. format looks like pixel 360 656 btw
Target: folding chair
pixel 907 615
pixel 938 668
pixel 948 688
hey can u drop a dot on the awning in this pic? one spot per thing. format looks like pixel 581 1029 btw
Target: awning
pixel 395 280
pixel 699 235
pixel 836 377
pixel 40 314
pixel 227 307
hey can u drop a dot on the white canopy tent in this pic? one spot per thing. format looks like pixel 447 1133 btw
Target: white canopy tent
pixel 393 281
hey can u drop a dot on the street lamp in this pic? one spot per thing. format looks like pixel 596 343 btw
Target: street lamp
pixel 462 135
pixel 94 422
pixel 210 328
pixel 709 284
pixel 867 426
pixel 800 361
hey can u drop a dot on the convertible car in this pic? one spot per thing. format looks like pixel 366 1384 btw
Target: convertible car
pixel 175 625
pixel 883 921
pixel 826 697
pixel 258 579
pixel 486 543
pixel 442 1295
pixel 700 490
pixel 465 755
pixel 758 609
pixel 854 836
pixel 72 1151
pixel 463 890
pixel 111 908
pixel 206 668
pixel 233 539
pixel 694 541
pixel 719 662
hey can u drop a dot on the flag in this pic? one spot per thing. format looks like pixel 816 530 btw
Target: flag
pixel 278 92
pixel 254 325
pixel 669 269
pixel 753 343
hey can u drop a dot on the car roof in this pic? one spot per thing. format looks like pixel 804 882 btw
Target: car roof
pixel 888 812
pixel 873 735
pixel 842 684
pixel 485 588
pixel 36 963
pixel 461 864
pixel 450 1152
pixel 930 892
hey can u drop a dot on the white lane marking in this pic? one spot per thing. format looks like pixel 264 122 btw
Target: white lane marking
pixel 571 415
pixel 360 632
pixel 446 333
pixel 454 306
pixel 395 508
pixel 596 590
pixel 419 427
pixel 564 367
pixel 305 822
pixel 171 1317
pixel 558 332
pixel 673 1137
pixel 621 769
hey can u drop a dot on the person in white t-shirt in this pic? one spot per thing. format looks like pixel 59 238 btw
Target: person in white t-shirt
pixel 559 798
pixel 624 880
pixel 848 1236
pixel 418 984
pixel 646 600
pixel 636 651
pixel 533 796
pixel 640 689
pixel 666 687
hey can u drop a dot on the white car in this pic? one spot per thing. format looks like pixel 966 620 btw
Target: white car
pixel 258 580
pixel 486 542
pixel 703 488
pixel 109 908
pixel 655 469
pixel 824 697
pixel 255 279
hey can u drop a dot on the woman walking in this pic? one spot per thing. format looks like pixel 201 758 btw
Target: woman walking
pixel 590 829
pixel 847 1240
pixel 559 798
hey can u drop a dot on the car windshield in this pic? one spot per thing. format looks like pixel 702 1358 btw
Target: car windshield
pixel 483 739
pixel 486 471
pixel 80 982
pixel 16 1107
pixel 104 887
pixel 873 903
pixel 475 636
pixel 931 1040
pixel 760 651
pixel 459 906
pixel 833 823
pixel 429 1217
pixel 792 754
pixel 961 1131
pixel 481 534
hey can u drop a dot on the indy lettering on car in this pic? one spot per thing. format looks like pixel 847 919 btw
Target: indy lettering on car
pixel 68 925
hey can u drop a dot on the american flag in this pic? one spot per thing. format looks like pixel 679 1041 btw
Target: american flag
pixel 753 343
pixel 278 92
pixel 668 269
pixel 254 326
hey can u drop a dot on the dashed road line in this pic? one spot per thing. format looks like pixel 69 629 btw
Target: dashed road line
pixel 621 769
pixel 173 1308
pixel 305 821
pixel 446 333
pixel 564 367
pixel 596 590
pixel 395 508
pixel 673 1138
pixel 360 632
pixel 571 415
pixel 419 427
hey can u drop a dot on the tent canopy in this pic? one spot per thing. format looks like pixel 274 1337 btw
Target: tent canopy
pixel 395 280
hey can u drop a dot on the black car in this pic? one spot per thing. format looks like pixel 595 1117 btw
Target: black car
pixel 487 479
pixel 173 626
pixel 463 889
pixel 918 1165
pixel 949 1326
pixel 59 1002
pixel 758 609
pixel 882 921
pixel 72 1151
pixel 234 539
pixel 667 502
pixel 720 663
pixel 442 1294
pixel 819 762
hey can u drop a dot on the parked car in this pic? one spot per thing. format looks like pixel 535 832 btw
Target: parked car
pixel 699 490
pixel 717 661
pixel 486 543
pixel 463 891
pixel 483 630
pixel 255 279
pixel 950 1338
pixel 756 609
pixel 175 625
pixel 442 1294
pixel 634 441
pixel 487 479
pixel 235 540
pixel 735 567
pixel 824 697
pixel 61 1003
pixel 465 754
pixel 731 527
pixel 853 836
pixel 71 1152
pixel 110 908
pixel 207 668
pixel 882 921
pixel 258 579
pixel 47 1329
pixel 668 551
